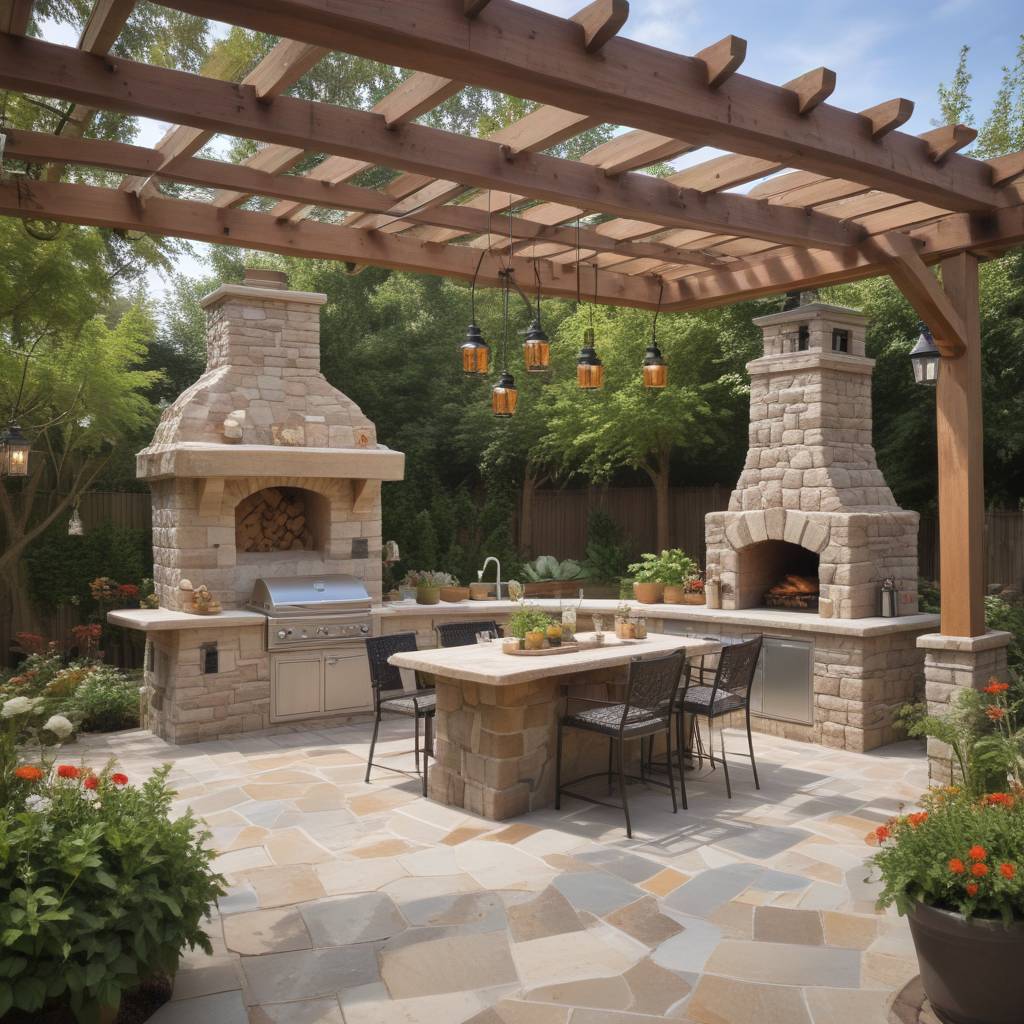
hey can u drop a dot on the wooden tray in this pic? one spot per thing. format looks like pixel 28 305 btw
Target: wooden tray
pixel 560 649
pixel 214 609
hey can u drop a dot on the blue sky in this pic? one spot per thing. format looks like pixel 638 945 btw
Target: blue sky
pixel 879 49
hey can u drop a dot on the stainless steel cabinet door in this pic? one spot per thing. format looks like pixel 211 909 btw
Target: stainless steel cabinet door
pixel 347 680
pixel 786 677
pixel 296 685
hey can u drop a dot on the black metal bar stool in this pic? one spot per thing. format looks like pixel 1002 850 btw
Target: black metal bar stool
pixel 645 712
pixel 728 692
pixel 462 634
pixel 390 697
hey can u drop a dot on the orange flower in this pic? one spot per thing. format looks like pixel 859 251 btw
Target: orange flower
pixel 918 818
pixel 979 870
pixel 957 866
pixel 995 713
pixel 972 888
pixel 882 833
pixel 998 799
pixel 1007 870
pixel 977 852
pixel 92 782
pixel 119 779
pixel 996 687
pixel 68 771
pixel 28 772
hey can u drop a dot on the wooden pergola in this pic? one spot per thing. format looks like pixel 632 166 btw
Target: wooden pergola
pixel 858 197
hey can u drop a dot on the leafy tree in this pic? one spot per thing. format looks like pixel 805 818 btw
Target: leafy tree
pixel 1003 130
pixel 954 100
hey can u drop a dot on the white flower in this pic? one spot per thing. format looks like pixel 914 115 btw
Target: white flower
pixel 59 726
pixel 17 706
pixel 37 803
pixel 89 794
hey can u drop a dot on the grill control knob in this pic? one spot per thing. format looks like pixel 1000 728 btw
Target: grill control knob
pixel 364 629
pixel 322 631
pixel 283 634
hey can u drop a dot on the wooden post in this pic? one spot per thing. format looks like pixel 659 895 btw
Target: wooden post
pixel 958 416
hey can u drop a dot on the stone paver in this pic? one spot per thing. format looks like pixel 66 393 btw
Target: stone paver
pixel 365 904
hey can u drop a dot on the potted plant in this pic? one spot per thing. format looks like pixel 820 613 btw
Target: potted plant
pixel 648 586
pixel 653 575
pixel 546 576
pixel 956 867
pixel 693 591
pixel 454 592
pixel 676 570
pixel 428 585
pixel 529 624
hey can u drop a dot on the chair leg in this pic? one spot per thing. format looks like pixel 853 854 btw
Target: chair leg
pixel 428 748
pixel 750 747
pixel 679 755
pixel 643 747
pixel 611 751
pixel 558 767
pixel 622 786
pixel 668 765
pixel 373 744
pixel 725 763
pixel 416 747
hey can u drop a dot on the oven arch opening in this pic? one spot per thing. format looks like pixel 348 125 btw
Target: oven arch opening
pixel 776 573
pixel 279 518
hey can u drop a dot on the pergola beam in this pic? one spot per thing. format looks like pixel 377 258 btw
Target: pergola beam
pixel 180 218
pixel 631 84
pixel 212 105
pixel 15 16
pixel 600 21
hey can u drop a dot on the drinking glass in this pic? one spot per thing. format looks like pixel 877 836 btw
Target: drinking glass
pixel 599 627
pixel 485 636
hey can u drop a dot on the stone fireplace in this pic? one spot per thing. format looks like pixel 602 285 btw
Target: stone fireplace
pixel 811 503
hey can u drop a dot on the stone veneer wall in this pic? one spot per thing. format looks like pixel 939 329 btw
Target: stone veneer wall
pixel 810 476
pixel 951 664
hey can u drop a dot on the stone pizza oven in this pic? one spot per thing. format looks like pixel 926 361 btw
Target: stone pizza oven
pixel 812 524
pixel 262 468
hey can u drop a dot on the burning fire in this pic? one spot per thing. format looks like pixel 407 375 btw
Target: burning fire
pixel 795 586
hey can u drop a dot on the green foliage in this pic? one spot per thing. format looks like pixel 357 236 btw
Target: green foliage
pixel 673 567
pixel 1009 616
pixel 928 596
pixel 547 567
pixel 959 853
pixel 106 700
pixel 607 555
pixel 60 567
pixel 101 886
pixel 954 100
pixel 525 619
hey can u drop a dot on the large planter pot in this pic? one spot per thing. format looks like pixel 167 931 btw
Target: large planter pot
pixel 552 588
pixel 648 593
pixel 971 970
pixel 674 594
pixel 692 599
pixel 453 594
pixel 428 595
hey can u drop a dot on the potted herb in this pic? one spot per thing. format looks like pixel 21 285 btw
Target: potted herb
pixel 625 628
pixel 530 625
pixel 648 586
pixel 664 575
pixel 428 585
pixel 956 867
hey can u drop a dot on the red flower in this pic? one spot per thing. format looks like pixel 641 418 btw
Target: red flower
pixel 977 852
pixel 998 799
pixel 119 779
pixel 68 771
pixel 979 870
pixel 956 865
pixel 995 713
pixel 92 783
pixel 972 888
pixel 128 590
pixel 28 772
pixel 996 687
pixel 919 818
pixel 1007 870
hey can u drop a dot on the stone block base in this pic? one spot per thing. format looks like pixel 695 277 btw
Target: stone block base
pixel 951 664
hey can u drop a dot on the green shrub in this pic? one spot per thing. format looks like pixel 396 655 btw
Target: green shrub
pixel 106 700
pixel 607 556
pixel 1008 615
pixel 100 888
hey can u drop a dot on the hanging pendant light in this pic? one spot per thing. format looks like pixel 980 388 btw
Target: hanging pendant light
pixel 505 394
pixel 589 368
pixel 14 449
pixel 475 352
pixel 925 357
pixel 655 369
pixel 537 346
pixel 75 527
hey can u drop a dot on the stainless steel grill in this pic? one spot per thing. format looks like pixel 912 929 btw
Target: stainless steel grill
pixel 313 611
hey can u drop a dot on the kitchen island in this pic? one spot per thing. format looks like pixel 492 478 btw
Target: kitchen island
pixel 494 733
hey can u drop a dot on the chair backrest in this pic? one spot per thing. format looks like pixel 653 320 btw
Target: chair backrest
pixel 736 666
pixel 384 676
pixel 652 685
pixel 462 634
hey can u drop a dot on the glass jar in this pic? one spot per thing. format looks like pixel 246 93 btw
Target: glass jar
pixel 640 627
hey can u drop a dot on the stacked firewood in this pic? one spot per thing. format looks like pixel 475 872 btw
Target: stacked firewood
pixel 273 519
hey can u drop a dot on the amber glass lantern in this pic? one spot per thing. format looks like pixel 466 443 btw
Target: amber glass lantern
pixel 655 368
pixel 536 349
pixel 504 395
pixel 589 368
pixel 14 449
pixel 476 353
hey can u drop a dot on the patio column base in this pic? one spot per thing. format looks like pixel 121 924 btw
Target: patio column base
pixel 953 663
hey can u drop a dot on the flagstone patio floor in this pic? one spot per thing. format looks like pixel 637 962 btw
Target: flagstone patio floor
pixel 367 904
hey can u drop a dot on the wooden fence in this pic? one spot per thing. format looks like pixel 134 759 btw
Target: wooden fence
pixel 560 527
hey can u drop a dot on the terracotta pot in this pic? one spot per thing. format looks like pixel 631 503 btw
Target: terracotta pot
pixel 693 599
pixel 648 593
pixel 552 588
pixel 453 594
pixel 970 969
pixel 674 594
pixel 428 595
pixel 481 592
pixel 535 640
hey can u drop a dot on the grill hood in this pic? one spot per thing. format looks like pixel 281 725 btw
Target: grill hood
pixel 302 595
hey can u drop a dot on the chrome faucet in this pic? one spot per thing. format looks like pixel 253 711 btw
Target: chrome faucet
pixel 480 575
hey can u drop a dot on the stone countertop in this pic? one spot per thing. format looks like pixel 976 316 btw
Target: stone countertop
pixel 157 619
pixel 488 664
pixel 750 618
